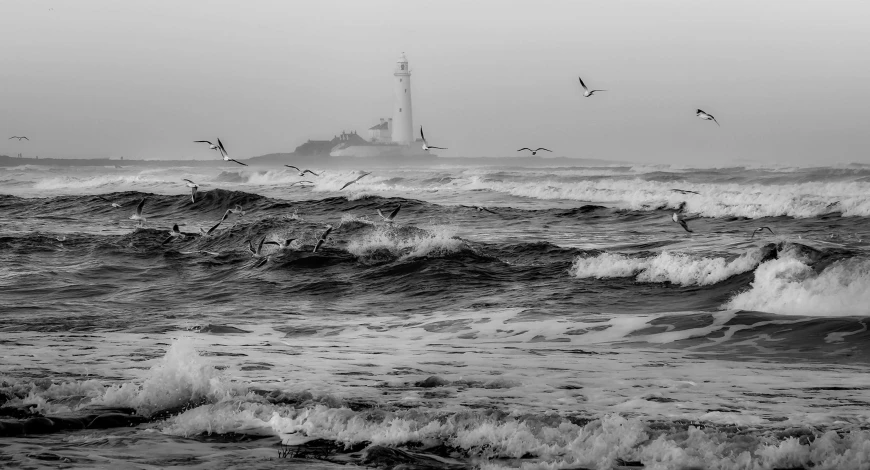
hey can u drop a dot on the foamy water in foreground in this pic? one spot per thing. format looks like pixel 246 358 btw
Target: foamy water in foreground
pixel 574 326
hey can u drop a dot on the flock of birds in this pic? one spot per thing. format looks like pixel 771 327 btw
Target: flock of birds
pixel 681 219
pixel 256 251
pixel 219 147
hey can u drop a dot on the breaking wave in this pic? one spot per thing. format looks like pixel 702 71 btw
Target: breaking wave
pixel 433 241
pixel 788 286
pixel 715 200
pixel 100 181
pixel 180 378
pixel 676 268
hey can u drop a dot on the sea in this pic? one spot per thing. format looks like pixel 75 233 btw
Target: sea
pixel 507 318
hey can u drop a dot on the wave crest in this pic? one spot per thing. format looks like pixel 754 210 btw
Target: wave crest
pixel 799 200
pixel 406 242
pixel 99 181
pixel 676 268
pixel 788 286
pixel 181 377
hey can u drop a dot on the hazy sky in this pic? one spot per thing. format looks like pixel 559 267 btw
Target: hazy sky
pixel 789 81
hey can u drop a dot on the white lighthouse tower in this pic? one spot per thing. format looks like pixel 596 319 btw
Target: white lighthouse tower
pixel 403 126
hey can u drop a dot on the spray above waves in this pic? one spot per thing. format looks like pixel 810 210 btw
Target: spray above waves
pixel 723 193
pixel 99 182
pixel 676 268
pixel 180 378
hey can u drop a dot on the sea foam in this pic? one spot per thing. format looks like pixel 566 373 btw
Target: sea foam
pixel 543 442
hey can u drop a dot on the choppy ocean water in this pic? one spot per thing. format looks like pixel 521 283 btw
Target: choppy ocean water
pixel 572 324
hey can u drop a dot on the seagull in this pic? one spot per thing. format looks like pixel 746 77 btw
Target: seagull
pixel 300 182
pixel 220 148
pixel 679 219
pixel 586 91
pixel 211 146
pixel 114 204
pixel 685 191
pixel 761 229
pixel 535 151
pixel 235 210
pixel 19 138
pixel 193 188
pixel 426 146
pixel 174 234
pixel 208 234
pixel 706 117
pixel 354 181
pixel 281 244
pixel 256 253
pixel 213 253
pixel 481 208
pixel 389 218
pixel 261 260
pixel 138 214
pixel 322 238
pixel 302 172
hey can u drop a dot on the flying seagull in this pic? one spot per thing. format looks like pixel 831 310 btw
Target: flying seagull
pixel 226 155
pixel 481 208
pixel 281 244
pixel 211 146
pixel 354 181
pixel 174 234
pixel 255 253
pixel 300 182
pixel 213 253
pixel 138 214
pixel 761 229
pixel 235 210
pixel 389 218
pixel 535 151
pixel 302 172
pixel 685 191
pixel 19 138
pixel 220 148
pixel 114 204
pixel 208 234
pixel 586 91
pixel 322 238
pixel 193 188
pixel 706 117
pixel 426 145
pixel 679 219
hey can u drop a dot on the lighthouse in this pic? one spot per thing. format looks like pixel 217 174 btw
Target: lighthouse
pixel 403 126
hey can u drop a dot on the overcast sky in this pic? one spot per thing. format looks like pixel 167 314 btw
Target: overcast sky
pixel 787 80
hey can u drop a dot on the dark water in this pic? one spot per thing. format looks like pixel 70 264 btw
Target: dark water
pixel 567 323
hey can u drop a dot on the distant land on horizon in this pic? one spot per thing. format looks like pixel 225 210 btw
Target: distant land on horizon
pixel 324 161
pixel 316 153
